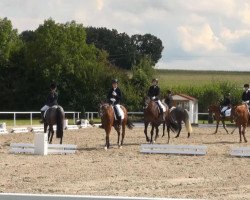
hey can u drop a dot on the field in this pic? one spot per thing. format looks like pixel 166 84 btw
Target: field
pixel 168 78
pixel 127 172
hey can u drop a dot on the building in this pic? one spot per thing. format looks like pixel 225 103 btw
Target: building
pixel 189 103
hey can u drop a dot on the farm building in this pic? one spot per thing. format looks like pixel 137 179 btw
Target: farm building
pixel 189 103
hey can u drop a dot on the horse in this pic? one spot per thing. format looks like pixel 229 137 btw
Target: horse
pixel 176 117
pixel 152 115
pixel 54 115
pixel 106 111
pixel 217 116
pixel 241 117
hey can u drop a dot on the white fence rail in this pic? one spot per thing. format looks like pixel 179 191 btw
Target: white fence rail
pixel 75 115
pixel 31 114
pixel 13 196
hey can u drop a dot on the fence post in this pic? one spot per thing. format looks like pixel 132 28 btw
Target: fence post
pixel 14 119
pixel 31 118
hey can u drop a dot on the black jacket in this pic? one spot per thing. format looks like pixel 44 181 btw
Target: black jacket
pixel 169 100
pixel 154 91
pixel 52 99
pixel 118 96
pixel 226 102
pixel 246 96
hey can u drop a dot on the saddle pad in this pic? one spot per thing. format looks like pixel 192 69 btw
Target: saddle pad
pixel 228 112
pixel 120 111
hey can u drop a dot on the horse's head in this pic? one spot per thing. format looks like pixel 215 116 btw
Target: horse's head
pixel 103 107
pixel 146 102
pixel 213 108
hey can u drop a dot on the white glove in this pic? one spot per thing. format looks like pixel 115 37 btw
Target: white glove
pixel 112 99
pixel 153 97
pixel 114 93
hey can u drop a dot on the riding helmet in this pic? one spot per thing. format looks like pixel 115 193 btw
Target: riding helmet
pixel 246 85
pixel 53 86
pixel 114 81
pixel 155 79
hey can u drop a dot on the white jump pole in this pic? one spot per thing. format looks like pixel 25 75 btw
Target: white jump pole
pixel 41 144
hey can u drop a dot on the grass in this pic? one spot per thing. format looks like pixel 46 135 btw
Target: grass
pixel 172 78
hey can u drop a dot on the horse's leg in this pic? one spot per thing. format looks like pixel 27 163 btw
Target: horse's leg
pixel 118 130
pixel 61 140
pixel 123 133
pixel 240 133
pixel 179 127
pixel 168 130
pixel 217 125
pixel 156 133
pixel 164 125
pixel 152 133
pixel 234 130
pixel 224 126
pixel 243 133
pixel 52 134
pixel 145 130
pixel 107 130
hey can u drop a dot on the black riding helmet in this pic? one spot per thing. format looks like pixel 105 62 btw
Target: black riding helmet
pixel 53 86
pixel 246 85
pixel 114 81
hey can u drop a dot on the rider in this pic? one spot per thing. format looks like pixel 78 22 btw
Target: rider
pixel 114 97
pixel 51 99
pixel 246 94
pixel 154 94
pixel 226 104
pixel 169 99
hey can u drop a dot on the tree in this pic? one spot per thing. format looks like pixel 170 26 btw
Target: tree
pixel 148 45
pixel 10 47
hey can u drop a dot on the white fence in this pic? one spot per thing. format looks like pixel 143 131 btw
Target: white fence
pixel 75 115
pixel 31 114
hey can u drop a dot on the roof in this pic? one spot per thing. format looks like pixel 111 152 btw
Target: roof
pixel 184 97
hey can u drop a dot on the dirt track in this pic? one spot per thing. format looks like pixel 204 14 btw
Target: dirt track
pixel 126 172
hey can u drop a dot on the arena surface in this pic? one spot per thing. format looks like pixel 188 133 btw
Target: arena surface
pixel 127 172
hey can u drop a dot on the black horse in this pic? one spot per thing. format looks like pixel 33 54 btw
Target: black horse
pixel 176 117
pixel 54 115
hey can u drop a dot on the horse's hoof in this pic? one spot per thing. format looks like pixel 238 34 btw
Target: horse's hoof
pixel 105 148
pixel 176 136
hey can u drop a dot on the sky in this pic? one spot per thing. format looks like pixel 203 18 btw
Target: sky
pixel 196 34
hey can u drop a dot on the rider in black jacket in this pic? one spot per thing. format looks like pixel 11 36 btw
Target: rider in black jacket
pixel 51 99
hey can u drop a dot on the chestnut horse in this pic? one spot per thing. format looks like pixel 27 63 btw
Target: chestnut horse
pixel 152 115
pixel 54 115
pixel 241 117
pixel 216 110
pixel 107 114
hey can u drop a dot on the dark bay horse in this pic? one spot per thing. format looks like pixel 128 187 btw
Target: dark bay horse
pixel 107 114
pixel 241 117
pixel 216 110
pixel 54 115
pixel 176 117
pixel 152 115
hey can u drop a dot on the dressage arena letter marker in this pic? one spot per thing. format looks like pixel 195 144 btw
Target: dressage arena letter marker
pixel 173 149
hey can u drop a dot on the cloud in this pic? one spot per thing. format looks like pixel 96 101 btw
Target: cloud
pixel 199 39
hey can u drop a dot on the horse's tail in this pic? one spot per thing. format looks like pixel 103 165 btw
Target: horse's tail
pixel 172 122
pixel 59 122
pixel 129 124
pixel 187 122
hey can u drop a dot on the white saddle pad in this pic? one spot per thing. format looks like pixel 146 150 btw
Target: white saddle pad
pixel 162 106
pixel 228 112
pixel 120 111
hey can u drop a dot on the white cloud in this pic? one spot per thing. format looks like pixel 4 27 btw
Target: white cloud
pixel 245 14
pixel 199 39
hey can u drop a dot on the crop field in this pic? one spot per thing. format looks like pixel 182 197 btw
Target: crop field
pixel 196 78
